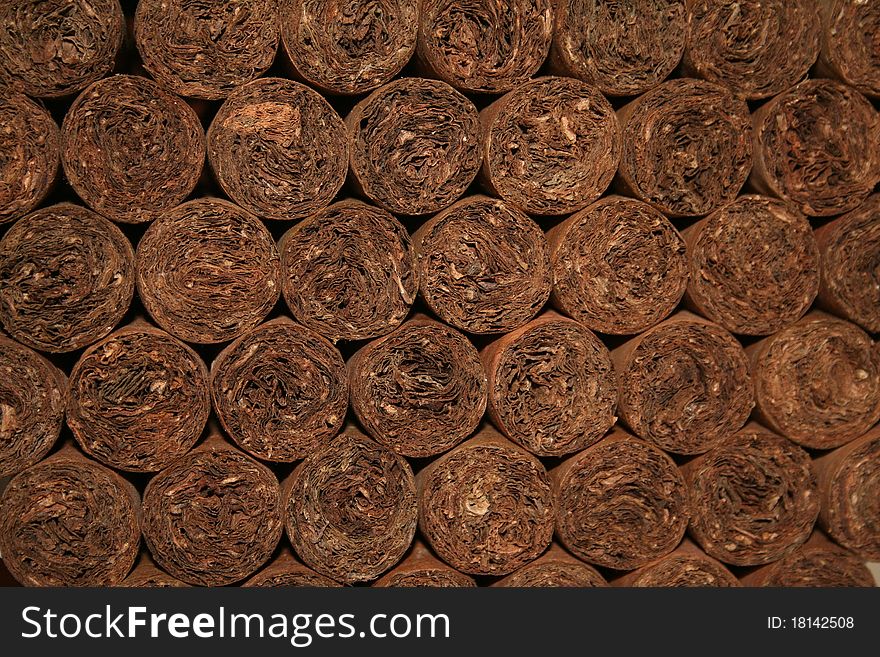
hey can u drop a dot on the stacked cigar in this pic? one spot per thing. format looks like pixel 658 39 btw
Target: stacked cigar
pixel 440 293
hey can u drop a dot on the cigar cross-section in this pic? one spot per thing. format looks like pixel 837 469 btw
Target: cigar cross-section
pixel 686 566
pixel 146 574
pixel 278 149
pixel 415 145
pixel 483 266
pixel 208 271
pixel 621 503
pixel 349 46
pixel 285 570
pixel 68 278
pixel 419 390
pixel 619 266
pixel 421 569
pixel 555 568
pixel 69 521
pixel 350 508
pixel 486 507
pixel 624 48
pixel 849 44
pixel 753 498
pixel 550 146
pixel 130 149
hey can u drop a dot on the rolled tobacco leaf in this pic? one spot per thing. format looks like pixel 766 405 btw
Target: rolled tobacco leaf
pixel 683 385
pixel 206 49
pixel 278 149
pixel 550 146
pixel 487 46
pixel 33 394
pixel 849 44
pixel 483 266
pixel 414 145
pixel 139 399
pixel 421 569
pixel 212 517
pixel 816 563
pixel 620 504
pixel 757 48
pixel 350 508
pixel 280 390
pixel 555 568
pixel 130 149
pixel 817 147
pixel 753 266
pixel 753 498
pixel 285 570
pixel 349 47
pixel 624 48
pixel 55 48
pixel 619 266
pixel 686 147
pixel 31 145
pixel 69 521
pixel 686 566
pixel 849 250
pixel 849 490
pixel 551 386
pixel 817 382
pixel 147 574
pixel 207 271
pixel 419 390
pixel 348 271
pixel 68 278
pixel 486 507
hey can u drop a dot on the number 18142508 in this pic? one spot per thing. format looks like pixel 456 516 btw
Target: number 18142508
pixel 811 623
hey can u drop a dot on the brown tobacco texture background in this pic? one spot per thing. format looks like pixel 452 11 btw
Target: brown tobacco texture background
pixel 439 293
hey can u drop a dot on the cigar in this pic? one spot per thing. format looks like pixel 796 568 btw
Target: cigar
pixel 623 49
pixel 489 46
pixel 69 521
pixel 550 146
pixel 621 503
pixel 420 390
pixel 68 278
pixel 486 507
pixel 208 271
pixel 686 147
pixel 55 48
pixel 350 508
pixel 556 568
pixel 816 563
pixel 280 390
pixel 816 146
pixel 286 570
pixel 753 498
pixel 146 574
pixel 139 399
pixel 817 382
pixel 848 250
pixel 684 385
pixel 213 517
pixel 848 489
pixel 552 387
pixel 619 266
pixel 757 49
pixel 686 566
pixel 31 144
pixel 206 51
pixel 33 393
pixel 348 47
pixel 414 145
pixel 848 30
pixel 131 150
pixel 483 266
pixel 278 149
pixel 753 266
pixel 348 271
pixel 421 569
